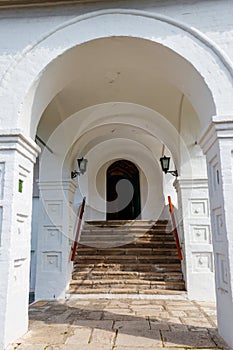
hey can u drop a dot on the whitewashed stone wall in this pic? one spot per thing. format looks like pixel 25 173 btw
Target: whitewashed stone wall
pixel 17 156
pixel 29 41
pixel 196 238
pixel 217 142
pixel 55 237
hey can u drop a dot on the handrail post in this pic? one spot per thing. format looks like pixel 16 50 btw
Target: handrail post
pixel 77 235
pixel 175 232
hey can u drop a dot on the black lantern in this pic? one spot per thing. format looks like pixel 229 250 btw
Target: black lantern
pixel 165 162
pixel 82 166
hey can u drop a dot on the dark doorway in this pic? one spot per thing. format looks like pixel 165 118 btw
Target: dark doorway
pixel 123 191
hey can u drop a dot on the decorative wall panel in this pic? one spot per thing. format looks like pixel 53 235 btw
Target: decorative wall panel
pixel 52 261
pixel 2 176
pixel 200 234
pixel 199 208
pixel 54 210
pixel 202 262
pixel 232 165
pixel 52 235
pixel 223 273
pixel 1 211
pixel 218 228
pixel 214 174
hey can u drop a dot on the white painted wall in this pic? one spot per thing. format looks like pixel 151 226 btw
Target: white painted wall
pixel 34 239
pixel 38 70
pixel 17 156
pixel 217 143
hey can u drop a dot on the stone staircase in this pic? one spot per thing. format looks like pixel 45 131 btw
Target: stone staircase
pixel 127 257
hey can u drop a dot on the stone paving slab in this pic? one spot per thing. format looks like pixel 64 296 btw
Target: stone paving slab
pixel 79 336
pixel 101 324
pixel 125 324
pixel 132 326
pixel 190 339
pixel 140 339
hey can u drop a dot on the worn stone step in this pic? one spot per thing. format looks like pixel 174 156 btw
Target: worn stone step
pixel 174 267
pixel 127 291
pixel 160 228
pixel 130 251
pixel 127 284
pixel 154 276
pixel 109 283
pixel 116 234
pixel 115 223
pixel 86 291
pixel 126 259
pixel 125 238
pixel 130 281
pixel 94 275
pixel 151 244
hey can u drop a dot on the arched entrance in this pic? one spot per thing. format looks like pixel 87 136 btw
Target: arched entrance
pixel 173 60
pixel 123 191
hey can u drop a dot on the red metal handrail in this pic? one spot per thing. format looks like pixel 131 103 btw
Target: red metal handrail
pixel 175 232
pixel 77 235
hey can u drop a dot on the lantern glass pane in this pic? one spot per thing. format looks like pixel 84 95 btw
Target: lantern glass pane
pixel 165 163
pixel 82 165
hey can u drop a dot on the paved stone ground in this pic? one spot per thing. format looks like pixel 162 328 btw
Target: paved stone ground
pixel 121 324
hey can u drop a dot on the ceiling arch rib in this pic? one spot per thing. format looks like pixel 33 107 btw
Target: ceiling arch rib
pixel 123 69
pixel 92 126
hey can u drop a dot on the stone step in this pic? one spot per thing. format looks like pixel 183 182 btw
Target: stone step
pixel 114 226
pixel 151 244
pixel 140 291
pixel 174 267
pixel 126 258
pixel 125 238
pixel 124 251
pixel 115 223
pixel 128 244
pixel 130 281
pixel 127 284
pixel 138 244
pixel 112 235
pixel 172 276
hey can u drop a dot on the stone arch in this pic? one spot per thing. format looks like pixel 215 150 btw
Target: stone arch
pixel 38 61
pixel 35 60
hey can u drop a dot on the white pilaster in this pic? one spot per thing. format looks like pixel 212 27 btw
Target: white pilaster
pixel 55 237
pixel 217 143
pixel 198 265
pixel 17 155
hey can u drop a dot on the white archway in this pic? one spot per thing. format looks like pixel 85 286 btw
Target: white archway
pixel 40 88
pixel 41 64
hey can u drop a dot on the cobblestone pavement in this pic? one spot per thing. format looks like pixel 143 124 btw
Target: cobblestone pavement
pixel 121 324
